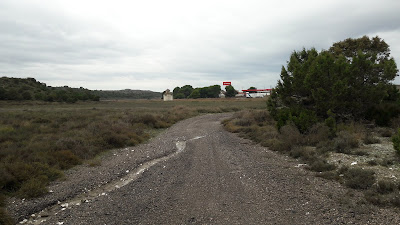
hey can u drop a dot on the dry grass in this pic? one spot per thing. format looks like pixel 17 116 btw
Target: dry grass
pixel 358 155
pixel 39 139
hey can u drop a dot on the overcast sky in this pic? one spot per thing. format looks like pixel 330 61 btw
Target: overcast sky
pixel 160 44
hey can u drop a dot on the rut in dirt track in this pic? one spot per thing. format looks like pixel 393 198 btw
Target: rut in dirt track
pixel 220 178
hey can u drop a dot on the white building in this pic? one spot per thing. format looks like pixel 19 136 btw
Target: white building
pixel 256 93
pixel 167 95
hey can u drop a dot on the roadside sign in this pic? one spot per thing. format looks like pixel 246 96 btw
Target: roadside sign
pixel 227 83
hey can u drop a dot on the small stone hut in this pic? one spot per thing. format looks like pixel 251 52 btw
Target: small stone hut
pixel 167 95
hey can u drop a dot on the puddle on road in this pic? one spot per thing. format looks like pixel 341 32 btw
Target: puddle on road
pixel 104 189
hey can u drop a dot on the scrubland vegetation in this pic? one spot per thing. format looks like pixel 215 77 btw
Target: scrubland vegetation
pixel 38 140
pixel 336 110
pixel 357 155
pixel 127 94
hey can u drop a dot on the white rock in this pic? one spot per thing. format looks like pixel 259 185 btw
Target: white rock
pixel 299 165
pixel 353 163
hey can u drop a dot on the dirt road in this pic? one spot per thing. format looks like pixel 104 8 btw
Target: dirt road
pixel 214 178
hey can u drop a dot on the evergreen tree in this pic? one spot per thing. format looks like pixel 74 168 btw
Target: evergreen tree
pixel 230 91
pixel 349 80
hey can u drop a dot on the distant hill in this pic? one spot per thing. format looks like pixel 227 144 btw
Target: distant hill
pixel 29 89
pixel 128 94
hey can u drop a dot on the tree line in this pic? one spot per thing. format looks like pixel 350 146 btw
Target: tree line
pixel 187 91
pixel 19 89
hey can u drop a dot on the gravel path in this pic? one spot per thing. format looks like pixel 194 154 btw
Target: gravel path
pixel 217 178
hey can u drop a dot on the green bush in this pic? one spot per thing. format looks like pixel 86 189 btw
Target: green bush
pixel 345 141
pixel 383 113
pixel 321 165
pixel 291 135
pixel 358 178
pixel 302 119
pixel 65 159
pixel 305 153
pixel 396 141
pixel 386 186
pixel 34 187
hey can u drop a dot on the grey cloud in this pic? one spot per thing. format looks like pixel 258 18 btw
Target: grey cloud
pixel 59 47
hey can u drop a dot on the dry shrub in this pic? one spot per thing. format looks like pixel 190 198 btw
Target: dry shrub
pixel 385 131
pixel 321 165
pixel 231 127
pixel 345 141
pixel 369 138
pixel 317 134
pixel 34 187
pixel 355 128
pixel 115 140
pixel 65 159
pixel 245 119
pixel 329 175
pixel 291 135
pixel 325 147
pixel 261 116
pixel 8 181
pixel 386 162
pixel 94 162
pixel 272 143
pixel 5 219
pixel 395 123
pixel 306 153
pixel 69 143
pixel 375 198
pixel 395 200
pixel 149 120
pixel 268 132
pixel 372 162
pixel 360 152
pixel 181 112
pixel 358 178
pixel 277 145
pixel 386 186
pixel 210 110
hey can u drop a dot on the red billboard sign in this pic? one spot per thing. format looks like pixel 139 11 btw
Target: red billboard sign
pixel 227 83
